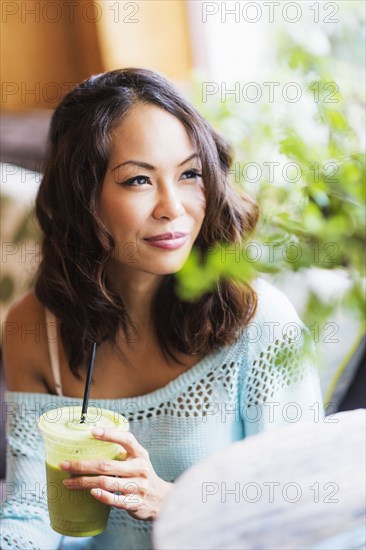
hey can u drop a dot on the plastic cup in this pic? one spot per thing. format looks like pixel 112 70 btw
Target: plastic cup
pixel 75 512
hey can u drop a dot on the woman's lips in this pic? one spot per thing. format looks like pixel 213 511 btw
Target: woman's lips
pixel 168 244
pixel 169 235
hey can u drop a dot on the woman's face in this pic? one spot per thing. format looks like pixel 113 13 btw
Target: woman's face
pixel 152 186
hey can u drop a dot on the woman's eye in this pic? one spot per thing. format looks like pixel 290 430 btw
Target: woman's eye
pixel 191 174
pixel 138 181
pixel 131 182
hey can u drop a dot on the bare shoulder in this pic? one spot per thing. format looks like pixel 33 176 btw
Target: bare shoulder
pixel 25 352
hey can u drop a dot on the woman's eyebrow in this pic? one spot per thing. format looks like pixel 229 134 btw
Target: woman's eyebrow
pixel 142 164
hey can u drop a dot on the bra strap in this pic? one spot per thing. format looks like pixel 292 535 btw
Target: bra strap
pixel 52 349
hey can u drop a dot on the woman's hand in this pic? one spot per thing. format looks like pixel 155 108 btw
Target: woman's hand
pixel 142 491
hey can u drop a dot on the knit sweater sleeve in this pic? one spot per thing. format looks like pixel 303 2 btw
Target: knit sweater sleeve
pixel 24 516
pixel 280 375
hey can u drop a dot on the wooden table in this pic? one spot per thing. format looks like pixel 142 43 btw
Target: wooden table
pixel 301 486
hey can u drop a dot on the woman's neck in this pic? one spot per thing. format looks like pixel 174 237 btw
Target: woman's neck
pixel 136 290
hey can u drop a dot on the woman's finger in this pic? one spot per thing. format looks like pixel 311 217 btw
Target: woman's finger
pixel 125 486
pixel 126 439
pixel 135 467
pixel 130 502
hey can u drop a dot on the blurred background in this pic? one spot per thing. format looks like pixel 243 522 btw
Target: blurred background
pixel 283 81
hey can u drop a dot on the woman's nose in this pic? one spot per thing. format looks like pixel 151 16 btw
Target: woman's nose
pixel 168 204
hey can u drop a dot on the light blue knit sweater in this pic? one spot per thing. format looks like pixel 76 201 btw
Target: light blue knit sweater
pixel 260 383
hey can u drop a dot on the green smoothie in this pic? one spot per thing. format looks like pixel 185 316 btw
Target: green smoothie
pixel 76 512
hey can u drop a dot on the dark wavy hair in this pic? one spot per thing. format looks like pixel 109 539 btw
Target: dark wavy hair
pixel 71 280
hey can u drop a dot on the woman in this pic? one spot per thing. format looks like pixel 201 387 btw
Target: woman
pixel 135 178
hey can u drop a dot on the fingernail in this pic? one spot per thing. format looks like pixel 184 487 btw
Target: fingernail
pixel 97 431
pixel 67 482
pixel 65 465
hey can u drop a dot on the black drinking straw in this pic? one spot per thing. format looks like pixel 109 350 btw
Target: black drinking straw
pixel 88 383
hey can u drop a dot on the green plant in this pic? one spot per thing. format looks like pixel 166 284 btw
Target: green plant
pixel 317 217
